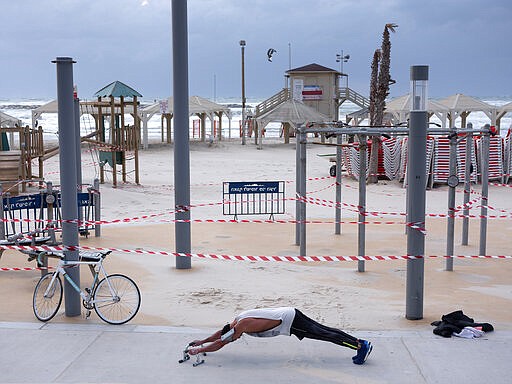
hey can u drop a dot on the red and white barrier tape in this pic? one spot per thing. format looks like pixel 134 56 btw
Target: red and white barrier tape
pixel 274 258
pixel 355 208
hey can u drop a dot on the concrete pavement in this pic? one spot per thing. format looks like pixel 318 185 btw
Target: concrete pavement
pixel 97 353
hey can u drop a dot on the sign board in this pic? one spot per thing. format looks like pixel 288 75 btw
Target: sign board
pixel 22 214
pixel 253 198
pixel 312 92
pixel 298 85
pixel 254 187
pixel 17 203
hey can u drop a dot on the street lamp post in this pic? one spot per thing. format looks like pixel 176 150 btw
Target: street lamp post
pixel 242 46
pixel 342 59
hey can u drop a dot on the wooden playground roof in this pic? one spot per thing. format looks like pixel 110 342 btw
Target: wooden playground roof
pixel 117 89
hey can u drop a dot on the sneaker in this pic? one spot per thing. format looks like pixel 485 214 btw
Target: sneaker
pixel 363 352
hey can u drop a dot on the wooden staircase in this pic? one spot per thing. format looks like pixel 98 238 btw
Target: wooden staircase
pixel 348 94
pixel 272 102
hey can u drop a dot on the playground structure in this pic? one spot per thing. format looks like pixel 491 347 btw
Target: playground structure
pixel 117 141
pixel 120 142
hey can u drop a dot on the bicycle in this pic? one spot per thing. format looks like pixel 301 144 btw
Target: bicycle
pixel 115 298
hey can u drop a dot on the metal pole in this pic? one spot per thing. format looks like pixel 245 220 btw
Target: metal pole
pixel 97 207
pixel 451 200
pixel 416 177
pixel 338 212
pixel 2 215
pixel 68 177
pixel 467 186
pixel 361 233
pixel 76 107
pixel 302 191
pixel 297 187
pixel 485 192
pixel 181 133
pixel 244 133
pixel 416 213
pixel 78 152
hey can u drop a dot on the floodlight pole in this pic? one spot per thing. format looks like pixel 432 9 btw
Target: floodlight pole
pixel 68 179
pixel 244 133
pixel 181 133
pixel 416 176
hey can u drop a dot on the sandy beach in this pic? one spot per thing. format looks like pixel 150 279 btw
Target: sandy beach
pixel 213 291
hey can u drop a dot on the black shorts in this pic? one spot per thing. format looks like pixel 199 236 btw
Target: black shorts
pixel 305 327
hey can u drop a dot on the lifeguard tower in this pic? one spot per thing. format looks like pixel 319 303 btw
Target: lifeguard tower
pixel 317 87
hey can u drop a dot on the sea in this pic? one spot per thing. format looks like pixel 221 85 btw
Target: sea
pixel 22 110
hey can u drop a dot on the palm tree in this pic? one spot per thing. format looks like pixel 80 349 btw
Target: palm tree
pixel 379 91
pixel 374 84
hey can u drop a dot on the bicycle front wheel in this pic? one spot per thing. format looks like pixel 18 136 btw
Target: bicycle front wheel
pixel 47 299
pixel 116 299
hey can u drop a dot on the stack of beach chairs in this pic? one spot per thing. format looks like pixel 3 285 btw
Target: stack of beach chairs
pixel 391 149
pixel 495 160
pixel 428 161
pixel 393 158
pixel 461 161
pixel 350 157
pixel 508 157
pixel 441 163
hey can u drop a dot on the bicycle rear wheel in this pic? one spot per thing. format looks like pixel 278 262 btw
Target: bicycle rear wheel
pixel 116 299
pixel 46 306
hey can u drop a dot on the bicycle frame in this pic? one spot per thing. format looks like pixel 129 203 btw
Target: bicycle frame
pixel 86 297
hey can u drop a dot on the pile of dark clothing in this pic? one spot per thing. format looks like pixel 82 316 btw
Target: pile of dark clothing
pixel 457 322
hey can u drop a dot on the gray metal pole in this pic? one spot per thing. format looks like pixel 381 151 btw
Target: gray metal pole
pixel 485 192
pixel 450 230
pixel 2 215
pixel 416 213
pixel 97 207
pixel 302 192
pixel 78 152
pixel 297 187
pixel 416 176
pixel 68 178
pixel 467 186
pixel 181 132
pixel 337 212
pixel 76 107
pixel 244 131
pixel 361 233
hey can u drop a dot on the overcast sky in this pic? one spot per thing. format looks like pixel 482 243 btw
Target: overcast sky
pixel 466 43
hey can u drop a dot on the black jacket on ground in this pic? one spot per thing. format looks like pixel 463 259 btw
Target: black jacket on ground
pixel 454 323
